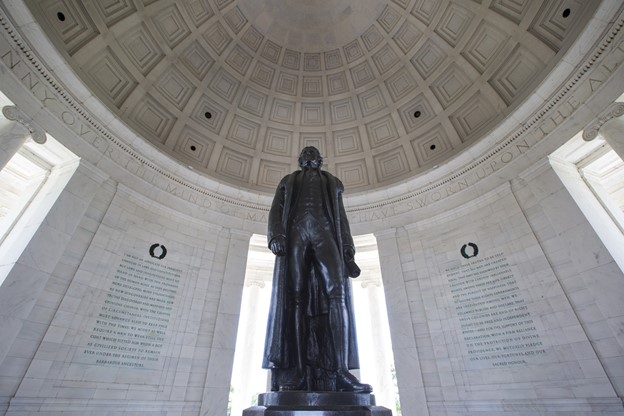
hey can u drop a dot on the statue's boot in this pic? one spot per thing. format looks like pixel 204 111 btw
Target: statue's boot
pixel 298 380
pixel 345 381
pixel 296 383
pixel 338 321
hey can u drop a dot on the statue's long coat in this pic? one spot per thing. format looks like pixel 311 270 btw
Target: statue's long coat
pixel 279 347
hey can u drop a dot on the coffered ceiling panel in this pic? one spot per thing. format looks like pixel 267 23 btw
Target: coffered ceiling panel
pixel 385 89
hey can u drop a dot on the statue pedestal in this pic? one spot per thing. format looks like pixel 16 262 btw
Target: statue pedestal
pixel 304 403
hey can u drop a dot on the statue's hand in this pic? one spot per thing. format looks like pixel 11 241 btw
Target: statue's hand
pixel 278 246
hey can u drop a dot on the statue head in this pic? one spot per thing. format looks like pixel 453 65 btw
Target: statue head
pixel 311 157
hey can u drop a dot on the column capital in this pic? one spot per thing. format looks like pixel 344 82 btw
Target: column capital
pixel 385 234
pixel 593 129
pixel 240 234
pixel 13 113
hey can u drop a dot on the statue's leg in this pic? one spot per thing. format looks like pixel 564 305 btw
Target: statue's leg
pixel 296 264
pixel 339 333
pixel 300 344
pixel 330 267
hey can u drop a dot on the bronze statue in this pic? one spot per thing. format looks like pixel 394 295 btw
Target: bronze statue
pixel 310 341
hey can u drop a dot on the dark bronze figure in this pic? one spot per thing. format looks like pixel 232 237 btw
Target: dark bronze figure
pixel 310 341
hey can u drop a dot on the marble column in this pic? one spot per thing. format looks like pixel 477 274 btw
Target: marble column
pixel 610 126
pixel 408 370
pixel 372 297
pixel 248 359
pixel 219 375
pixel 613 132
pixel 15 130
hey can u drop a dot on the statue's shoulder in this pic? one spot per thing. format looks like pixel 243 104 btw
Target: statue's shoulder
pixel 334 181
pixel 288 178
pixel 329 175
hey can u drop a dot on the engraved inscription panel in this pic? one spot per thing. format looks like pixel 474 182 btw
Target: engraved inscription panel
pixel 495 321
pixel 130 328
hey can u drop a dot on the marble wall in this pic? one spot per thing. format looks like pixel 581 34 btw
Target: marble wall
pixel 501 297
pixel 506 305
pixel 37 282
pixel 108 325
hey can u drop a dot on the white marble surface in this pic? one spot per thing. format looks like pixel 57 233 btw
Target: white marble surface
pixel 569 280
pixel 200 335
pixel 533 221
pixel 574 371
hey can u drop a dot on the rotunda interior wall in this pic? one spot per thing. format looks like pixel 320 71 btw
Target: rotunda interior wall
pixel 132 205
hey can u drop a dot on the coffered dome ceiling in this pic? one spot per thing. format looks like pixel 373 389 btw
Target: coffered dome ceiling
pixel 385 89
